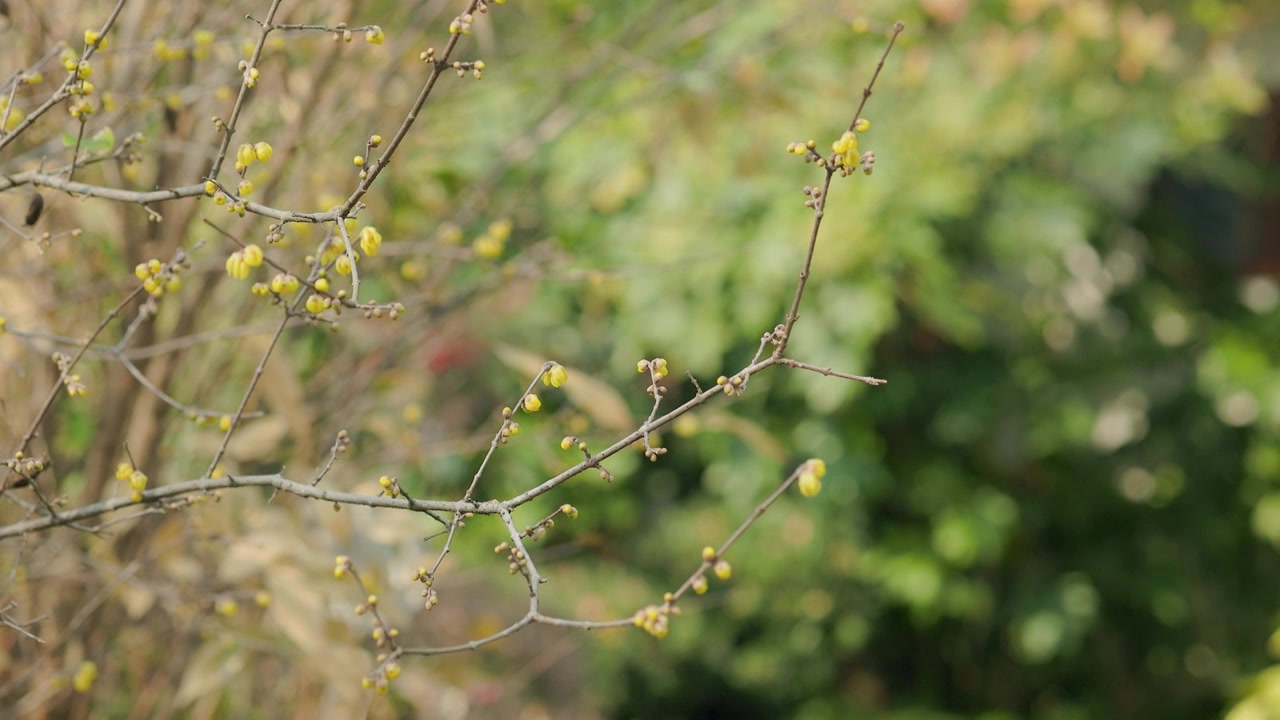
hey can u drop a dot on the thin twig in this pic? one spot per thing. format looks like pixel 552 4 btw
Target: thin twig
pixel 438 67
pixel 244 399
pixel 230 132
pixel 227 482
pixel 739 532
pixel 873 381
pixel 500 435
pixel 820 209
pixel 351 258
pixel 62 93
pixel 57 386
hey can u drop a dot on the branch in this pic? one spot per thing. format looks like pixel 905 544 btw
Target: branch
pixel 821 205
pixel 61 93
pixel 872 381
pixel 276 481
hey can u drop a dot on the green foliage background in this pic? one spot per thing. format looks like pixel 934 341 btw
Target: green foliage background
pixel 1062 505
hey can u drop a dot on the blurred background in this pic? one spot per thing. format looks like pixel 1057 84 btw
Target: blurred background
pixel 1064 505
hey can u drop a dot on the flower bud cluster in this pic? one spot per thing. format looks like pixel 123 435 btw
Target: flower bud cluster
pixel 517 562
pixel 75 388
pixel 136 479
pixel 158 278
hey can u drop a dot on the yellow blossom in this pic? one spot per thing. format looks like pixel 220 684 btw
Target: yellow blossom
pixel 555 376
pixel 370 240
pixel 659 367
pixel 253 255
pixel 237 267
pixel 811 474
pixel 847 149
pixel 83 679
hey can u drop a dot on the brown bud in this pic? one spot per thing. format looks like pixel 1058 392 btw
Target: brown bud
pixel 34 209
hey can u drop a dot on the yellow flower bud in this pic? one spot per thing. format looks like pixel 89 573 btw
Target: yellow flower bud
pixel 487 247
pixel 809 484
pixel 253 255
pixel 237 267
pixel 659 367
pixel 500 230
pixel 555 376
pixel 847 149
pixel 370 240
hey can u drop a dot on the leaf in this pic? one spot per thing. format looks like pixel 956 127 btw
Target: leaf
pixel 100 142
